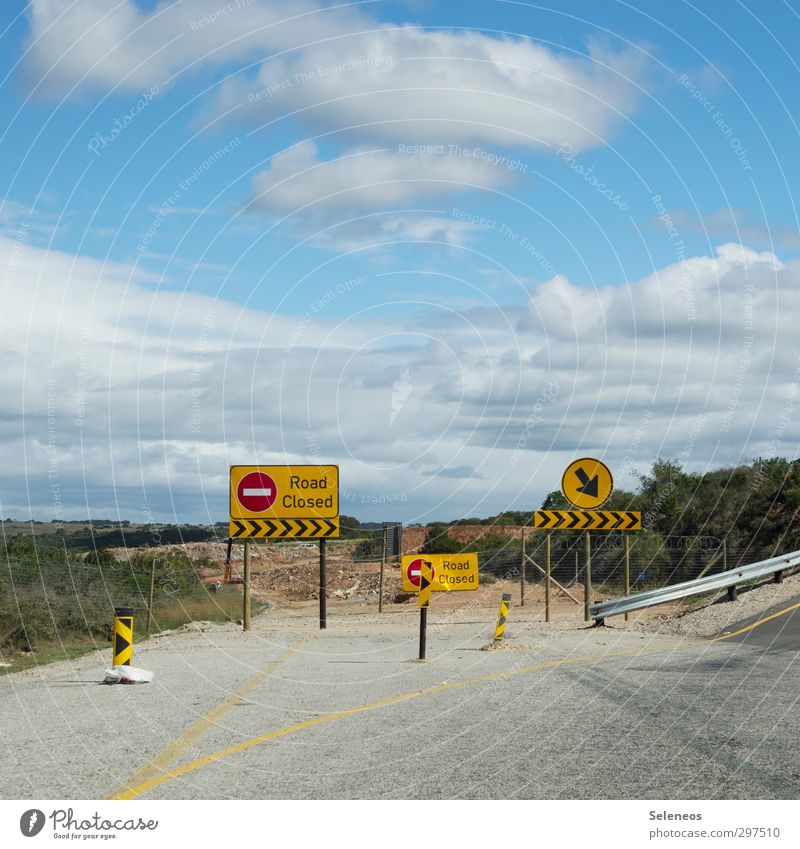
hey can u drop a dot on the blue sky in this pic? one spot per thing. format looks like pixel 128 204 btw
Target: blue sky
pixel 448 246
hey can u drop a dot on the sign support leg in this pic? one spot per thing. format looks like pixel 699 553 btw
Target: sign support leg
pixel 246 588
pixel 547 578
pixel 323 587
pixel 522 573
pixel 627 546
pixel 423 631
pixel 383 566
pixel 587 578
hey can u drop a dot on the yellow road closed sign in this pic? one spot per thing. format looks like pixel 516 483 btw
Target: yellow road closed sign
pixel 284 492
pixel 450 571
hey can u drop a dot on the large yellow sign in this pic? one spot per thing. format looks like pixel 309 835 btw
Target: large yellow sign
pixel 450 571
pixel 587 483
pixel 284 501
pixel 284 492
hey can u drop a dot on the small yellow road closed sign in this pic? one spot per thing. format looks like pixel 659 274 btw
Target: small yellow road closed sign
pixel 450 571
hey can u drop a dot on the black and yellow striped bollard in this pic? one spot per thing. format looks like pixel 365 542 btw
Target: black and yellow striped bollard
pixel 502 617
pixel 425 587
pixel 123 636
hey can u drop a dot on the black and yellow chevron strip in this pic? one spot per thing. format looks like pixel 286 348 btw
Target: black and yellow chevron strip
pixel 284 528
pixel 123 640
pixel 502 617
pixel 588 520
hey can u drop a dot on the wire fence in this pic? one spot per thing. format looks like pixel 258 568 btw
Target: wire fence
pixel 59 597
pixel 654 562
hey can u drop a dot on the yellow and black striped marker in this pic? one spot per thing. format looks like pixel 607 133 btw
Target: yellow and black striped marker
pixel 123 636
pixel 425 583
pixel 502 617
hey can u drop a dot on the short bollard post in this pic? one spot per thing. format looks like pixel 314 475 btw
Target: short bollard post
pixel 425 581
pixel 123 636
pixel 502 617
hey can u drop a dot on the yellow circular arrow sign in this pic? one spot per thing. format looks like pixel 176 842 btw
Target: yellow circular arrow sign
pixel 587 483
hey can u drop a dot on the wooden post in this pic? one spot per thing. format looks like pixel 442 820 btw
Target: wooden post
pixel 522 573
pixel 383 566
pixel 547 577
pixel 575 582
pixel 246 587
pixel 587 578
pixel 627 545
pixel 150 593
pixel 323 587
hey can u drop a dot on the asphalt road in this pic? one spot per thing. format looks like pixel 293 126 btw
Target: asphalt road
pixel 287 711
pixel 777 631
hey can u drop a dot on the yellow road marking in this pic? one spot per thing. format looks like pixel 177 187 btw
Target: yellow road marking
pixel 154 781
pixel 756 624
pixel 157 765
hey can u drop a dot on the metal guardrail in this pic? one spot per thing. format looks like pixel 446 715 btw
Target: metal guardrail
pixel 638 601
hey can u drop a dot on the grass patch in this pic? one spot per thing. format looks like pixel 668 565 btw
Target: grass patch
pixel 198 606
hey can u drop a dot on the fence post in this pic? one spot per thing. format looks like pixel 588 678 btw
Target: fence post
pixel 547 577
pixel 150 594
pixel 522 573
pixel 627 545
pixel 383 566
pixel 575 582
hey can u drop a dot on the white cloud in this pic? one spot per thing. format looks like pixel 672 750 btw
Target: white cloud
pixel 110 43
pixel 118 395
pixel 401 83
pixel 364 196
pixel 339 68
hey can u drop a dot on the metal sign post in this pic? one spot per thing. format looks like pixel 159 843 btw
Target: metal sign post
pixel 246 588
pixel 323 587
pixel 587 579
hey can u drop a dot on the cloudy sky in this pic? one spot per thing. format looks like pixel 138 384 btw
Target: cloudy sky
pixel 450 247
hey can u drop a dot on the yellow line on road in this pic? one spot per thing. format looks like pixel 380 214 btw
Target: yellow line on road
pixel 149 783
pixel 158 764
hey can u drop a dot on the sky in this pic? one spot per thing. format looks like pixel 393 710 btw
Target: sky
pixel 450 247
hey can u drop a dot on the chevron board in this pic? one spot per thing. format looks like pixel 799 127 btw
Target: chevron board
pixel 587 520
pixel 284 528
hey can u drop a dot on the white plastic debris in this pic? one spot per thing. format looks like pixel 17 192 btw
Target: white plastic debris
pixel 127 675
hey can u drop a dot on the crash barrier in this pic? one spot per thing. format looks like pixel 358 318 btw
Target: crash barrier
pixel 724 580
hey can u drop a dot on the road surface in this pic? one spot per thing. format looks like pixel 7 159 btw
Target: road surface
pixel 287 711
